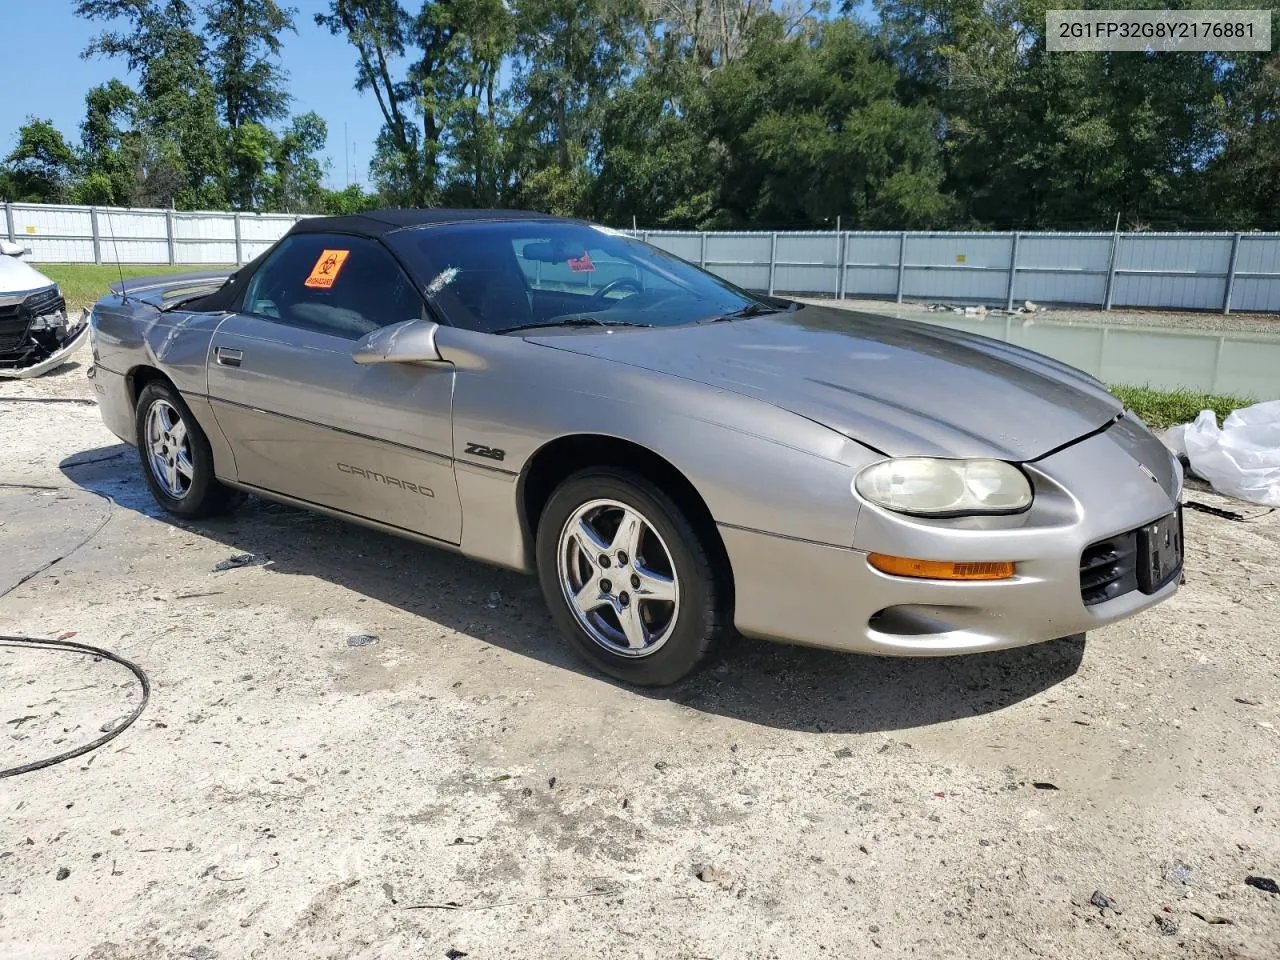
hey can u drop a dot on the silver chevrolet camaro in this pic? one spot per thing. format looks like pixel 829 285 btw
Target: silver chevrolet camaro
pixel 676 458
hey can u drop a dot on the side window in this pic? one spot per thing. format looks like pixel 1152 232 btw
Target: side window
pixel 340 285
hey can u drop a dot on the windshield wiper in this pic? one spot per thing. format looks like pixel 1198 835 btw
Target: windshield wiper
pixel 750 310
pixel 578 321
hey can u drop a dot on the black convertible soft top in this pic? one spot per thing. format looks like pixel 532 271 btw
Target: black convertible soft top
pixel 375 223
pixel 372 223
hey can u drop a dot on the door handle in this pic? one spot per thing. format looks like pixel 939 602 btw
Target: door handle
pixel 228 357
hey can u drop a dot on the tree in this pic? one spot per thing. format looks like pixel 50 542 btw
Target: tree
pixel 354 199
pixel 475 152
pixel 41 167
pixel 152 25
pixel 296 174
pixel 382 31
pixel 688 113
pixel 250 149
pixel 178 104
pixel 111 148
pixel 444 127
pixel 1241 180
pixel 811 127
pixel 658 165
pixel 712 33
pixel 245 48
pixel 571 56
pixel 201 125
pixel 1037 139
pixel 250 88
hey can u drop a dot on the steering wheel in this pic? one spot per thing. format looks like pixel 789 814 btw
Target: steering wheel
pixel 618 284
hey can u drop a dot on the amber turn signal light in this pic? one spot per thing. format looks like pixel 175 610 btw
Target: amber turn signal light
pixel 940 569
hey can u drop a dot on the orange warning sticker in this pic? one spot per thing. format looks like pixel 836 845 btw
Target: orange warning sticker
pixel 327 269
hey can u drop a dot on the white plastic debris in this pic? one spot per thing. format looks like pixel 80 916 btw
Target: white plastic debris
pixel 1241 458
pixel 1175 438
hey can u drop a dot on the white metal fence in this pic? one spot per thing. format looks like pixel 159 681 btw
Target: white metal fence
pixel 1191 271
pixel 70 234
pixel 1195 271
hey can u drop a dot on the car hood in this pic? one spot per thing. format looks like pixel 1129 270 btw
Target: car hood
pixel 901 387
pixel 19 277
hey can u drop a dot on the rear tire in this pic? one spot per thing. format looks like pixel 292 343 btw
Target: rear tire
pixel 176 458
pixel 629 578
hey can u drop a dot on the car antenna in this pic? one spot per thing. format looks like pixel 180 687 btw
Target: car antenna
pixel 124 294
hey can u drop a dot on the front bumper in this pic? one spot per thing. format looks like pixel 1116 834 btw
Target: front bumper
pixel 74 341
pixel 36 335
pixel 829 596
pixel 115 402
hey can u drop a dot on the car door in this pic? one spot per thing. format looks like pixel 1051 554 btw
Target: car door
pixel 305 420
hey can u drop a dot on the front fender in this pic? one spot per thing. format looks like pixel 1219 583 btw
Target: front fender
pixel 755 466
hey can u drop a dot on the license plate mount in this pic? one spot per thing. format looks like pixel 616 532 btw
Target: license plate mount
pixel 1160 552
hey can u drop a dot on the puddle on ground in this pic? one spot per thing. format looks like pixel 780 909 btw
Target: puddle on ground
pixel 1230 362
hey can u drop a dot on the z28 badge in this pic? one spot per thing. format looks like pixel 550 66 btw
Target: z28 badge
pixel 480 450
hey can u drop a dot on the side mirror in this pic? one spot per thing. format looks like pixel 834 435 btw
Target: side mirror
pixel 410 341
pixel 10 249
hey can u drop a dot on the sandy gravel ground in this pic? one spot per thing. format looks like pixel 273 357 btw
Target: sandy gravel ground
pixel 462 787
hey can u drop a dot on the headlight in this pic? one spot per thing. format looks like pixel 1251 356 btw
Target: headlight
pixel 49 321
pixel 922 485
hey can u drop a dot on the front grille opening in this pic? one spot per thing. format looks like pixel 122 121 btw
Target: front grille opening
pixel 15 322
pixel 46 301
pixel 13 330
pixel 1108 569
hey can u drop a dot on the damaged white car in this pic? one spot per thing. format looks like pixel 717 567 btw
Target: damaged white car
pixel 35 334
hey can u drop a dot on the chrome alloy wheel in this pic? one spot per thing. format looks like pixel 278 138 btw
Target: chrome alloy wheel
pixel 618 578
pixel 169 450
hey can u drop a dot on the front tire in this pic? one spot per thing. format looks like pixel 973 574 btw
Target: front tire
pixel 629 578
pixel 176 458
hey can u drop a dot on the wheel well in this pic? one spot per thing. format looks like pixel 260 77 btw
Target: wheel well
pixel 561 458
pixel 139 377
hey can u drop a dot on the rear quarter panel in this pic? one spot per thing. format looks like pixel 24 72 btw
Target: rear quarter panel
pixel 129 336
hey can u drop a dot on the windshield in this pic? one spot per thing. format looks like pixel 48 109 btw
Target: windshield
pixel 503 276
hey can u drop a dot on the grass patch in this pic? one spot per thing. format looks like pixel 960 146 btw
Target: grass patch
pixel 1161 409
pixel 84 283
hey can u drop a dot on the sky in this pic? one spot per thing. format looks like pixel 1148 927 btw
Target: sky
pixel 321 71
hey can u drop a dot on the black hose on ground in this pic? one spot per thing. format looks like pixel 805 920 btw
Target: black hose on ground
pixel 37 643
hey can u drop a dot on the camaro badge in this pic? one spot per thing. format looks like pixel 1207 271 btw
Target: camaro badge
pixel 383 478
pixel 1147 470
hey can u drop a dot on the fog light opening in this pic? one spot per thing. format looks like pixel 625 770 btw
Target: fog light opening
pixel 941 569
pixel 907 621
